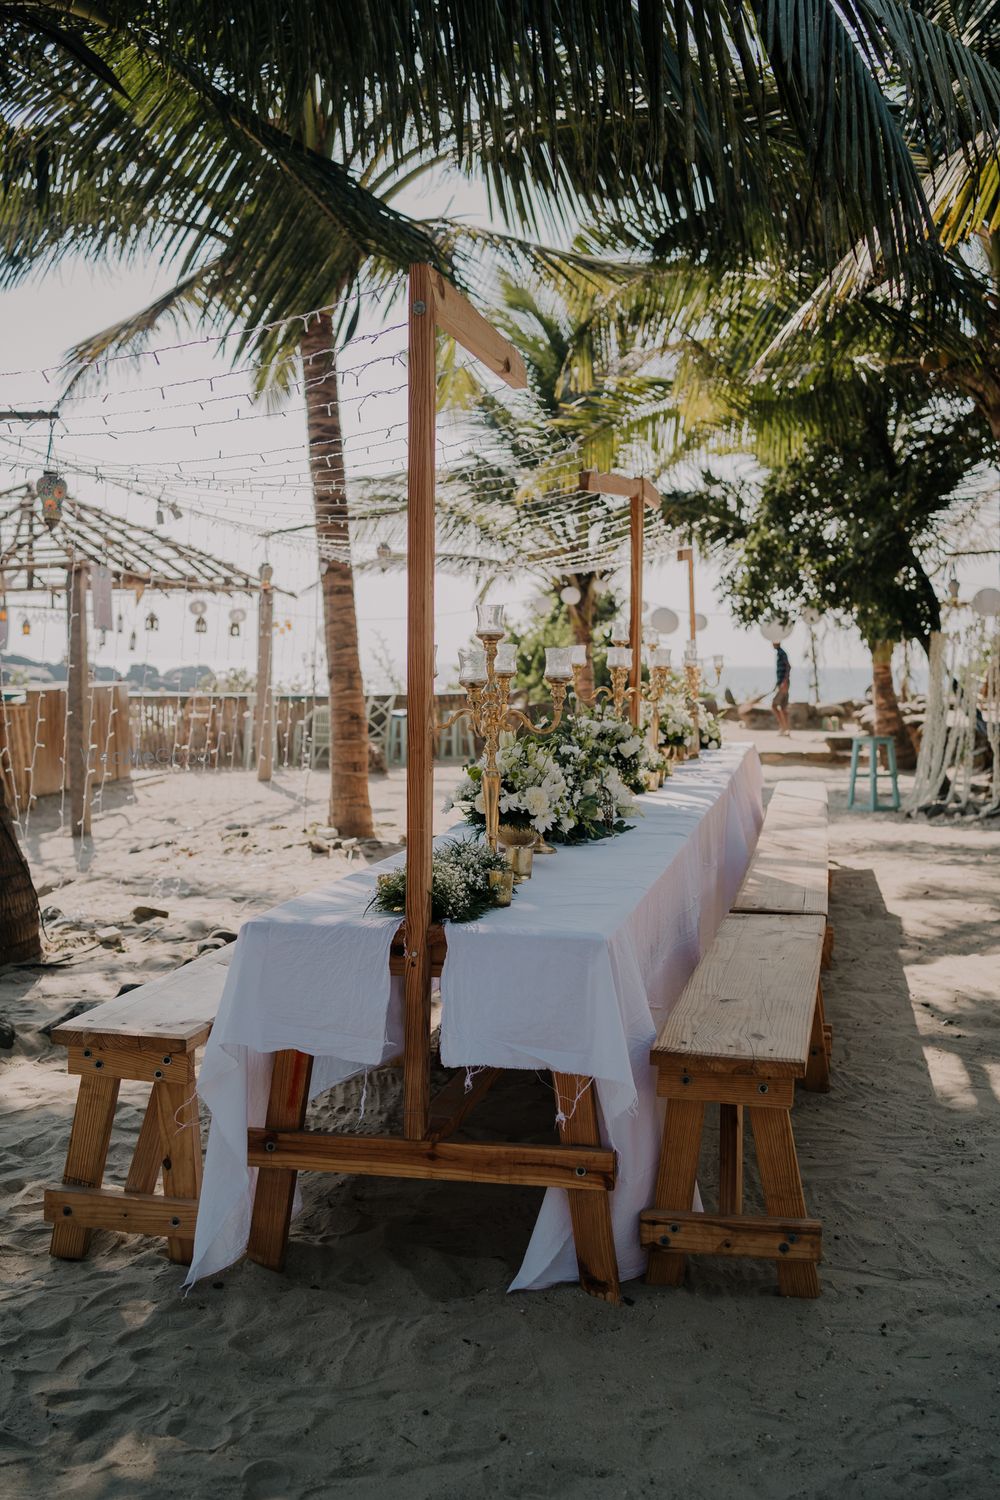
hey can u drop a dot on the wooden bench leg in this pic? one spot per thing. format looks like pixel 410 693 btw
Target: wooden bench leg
pixel 590 1212
pixel 826 959
pixel 180 1153
pixel 144 1172
pixel 783 1196
pixel 730 1158
pixel 272 1204
pixel 675 1180
pixel 85 1158
pixel 817 1077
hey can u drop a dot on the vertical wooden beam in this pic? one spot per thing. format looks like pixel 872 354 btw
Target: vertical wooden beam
pixel 421 417
pixel 291 1076
pixel 265 697
pixel 593 1236
pixel 88 1149
pixel 636 537
pixel 79 704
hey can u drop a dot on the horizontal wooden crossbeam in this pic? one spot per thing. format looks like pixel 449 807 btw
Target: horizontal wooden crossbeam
pixel 716 1234
pixel 456 316
pixel 129 1213
pixel 583 1168
pixel 596 483
pixel 680 1080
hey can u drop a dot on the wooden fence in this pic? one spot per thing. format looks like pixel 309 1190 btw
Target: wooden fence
pixel 33 748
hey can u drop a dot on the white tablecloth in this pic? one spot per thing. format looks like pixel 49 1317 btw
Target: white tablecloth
pixel 576 976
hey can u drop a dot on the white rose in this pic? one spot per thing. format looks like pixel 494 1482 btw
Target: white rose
pixel 536 801
pixel 631 746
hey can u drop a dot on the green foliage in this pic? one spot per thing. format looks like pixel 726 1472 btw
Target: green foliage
pixel 555 629
pixel 460 882
pixel 846 525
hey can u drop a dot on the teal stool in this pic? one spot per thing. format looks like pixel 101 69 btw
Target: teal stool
pixel 872 743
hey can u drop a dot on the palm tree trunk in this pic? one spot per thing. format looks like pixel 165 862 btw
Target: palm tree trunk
pixel 350 807
pixel 20 939
pixel 581 619
pixel 888 719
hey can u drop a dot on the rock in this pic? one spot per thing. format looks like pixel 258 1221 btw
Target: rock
pixel 8 1035
pixel 51 914
pixel 48 886
pixel 317 846
pixel 75 1010
pixel 328 833
pixel 109 937
pixel 145 913
pixel 236 827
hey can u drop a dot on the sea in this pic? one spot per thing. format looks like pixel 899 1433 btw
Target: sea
pixel 836 684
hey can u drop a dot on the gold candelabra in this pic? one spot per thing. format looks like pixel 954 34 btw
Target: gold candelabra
pixel 692 682
pixel 486 676
pixel 620 668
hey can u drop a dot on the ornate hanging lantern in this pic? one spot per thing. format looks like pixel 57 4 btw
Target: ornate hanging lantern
pixel 26 626
pixel 384 554
pixel 200 625
pixel 236 618
pixel 152 623
pixel 51 491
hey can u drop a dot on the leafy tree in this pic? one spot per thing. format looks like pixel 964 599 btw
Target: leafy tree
pixel 848 525
pixel 555 627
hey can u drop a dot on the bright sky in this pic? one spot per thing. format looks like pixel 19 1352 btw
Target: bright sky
pixel 143 426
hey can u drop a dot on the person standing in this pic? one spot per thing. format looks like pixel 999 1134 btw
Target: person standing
pixel 779 703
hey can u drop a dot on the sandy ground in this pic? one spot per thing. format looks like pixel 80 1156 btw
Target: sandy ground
pixel 388 1360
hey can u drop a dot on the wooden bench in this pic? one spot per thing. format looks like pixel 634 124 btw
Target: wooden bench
pixel 790 869
pixel 748 1024
pixel 149 1035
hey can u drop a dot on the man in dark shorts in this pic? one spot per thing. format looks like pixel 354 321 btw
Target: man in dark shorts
pixel 779 703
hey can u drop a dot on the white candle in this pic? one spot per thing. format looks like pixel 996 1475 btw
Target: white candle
pixel 558 667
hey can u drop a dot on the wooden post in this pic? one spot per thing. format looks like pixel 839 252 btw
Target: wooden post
pixel 421 418
pixel 686 554
pixel 79 705
pixel 636 537
pixel 265 697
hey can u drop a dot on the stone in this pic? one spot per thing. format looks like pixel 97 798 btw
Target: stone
pixel 77 1009
pixel 109 937
pixel 8 1035
pixel 145 913
pixel 317 846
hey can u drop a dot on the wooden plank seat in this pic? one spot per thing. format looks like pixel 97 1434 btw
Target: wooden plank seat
pixel 790 868
pixel 748 1024
pixel 149 1035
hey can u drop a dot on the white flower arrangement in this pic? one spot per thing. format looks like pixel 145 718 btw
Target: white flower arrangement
pixel 534 792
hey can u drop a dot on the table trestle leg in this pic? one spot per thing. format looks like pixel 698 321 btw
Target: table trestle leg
pixel 272 1207
pixel 676 1180
pixel 180 1145
pixel 590 1212
pixel 783 1196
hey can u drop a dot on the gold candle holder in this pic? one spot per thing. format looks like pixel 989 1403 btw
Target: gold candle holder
pixel 692 682
pixel 620 668
pixel 486 677
pixel 502 885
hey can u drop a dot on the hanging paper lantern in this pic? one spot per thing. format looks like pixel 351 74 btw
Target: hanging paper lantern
pixel 236 618
pixel 197 606
pixel 811 616
pixel 26 626
pixel 987 603
pixel 200 625
pixel 775 630
pixel 700 622
pixel 51 491
pixel 152 623
pixel 266 574
pixel 570 594
pixel 664 620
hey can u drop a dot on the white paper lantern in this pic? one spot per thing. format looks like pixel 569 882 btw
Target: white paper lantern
pixel 570 594
pixel 664 620
pixel 197 606
pixel 700 622
pixel 775 630
pixel 811 616
pixel 987 603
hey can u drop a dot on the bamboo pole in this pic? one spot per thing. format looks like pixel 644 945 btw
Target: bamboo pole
pixel 79 703
pixel 636 537
pixel 265 697
pixel 421 417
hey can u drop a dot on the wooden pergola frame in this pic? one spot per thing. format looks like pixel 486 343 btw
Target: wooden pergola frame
pixel 424 1149
pixel 39 558
pixel 640 494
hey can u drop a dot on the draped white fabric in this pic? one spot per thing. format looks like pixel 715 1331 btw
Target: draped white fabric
pixel 576 976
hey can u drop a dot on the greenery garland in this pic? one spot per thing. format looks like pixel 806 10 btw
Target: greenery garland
pixel 460 882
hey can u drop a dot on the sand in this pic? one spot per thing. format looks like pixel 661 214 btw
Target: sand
pixel 389 1360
